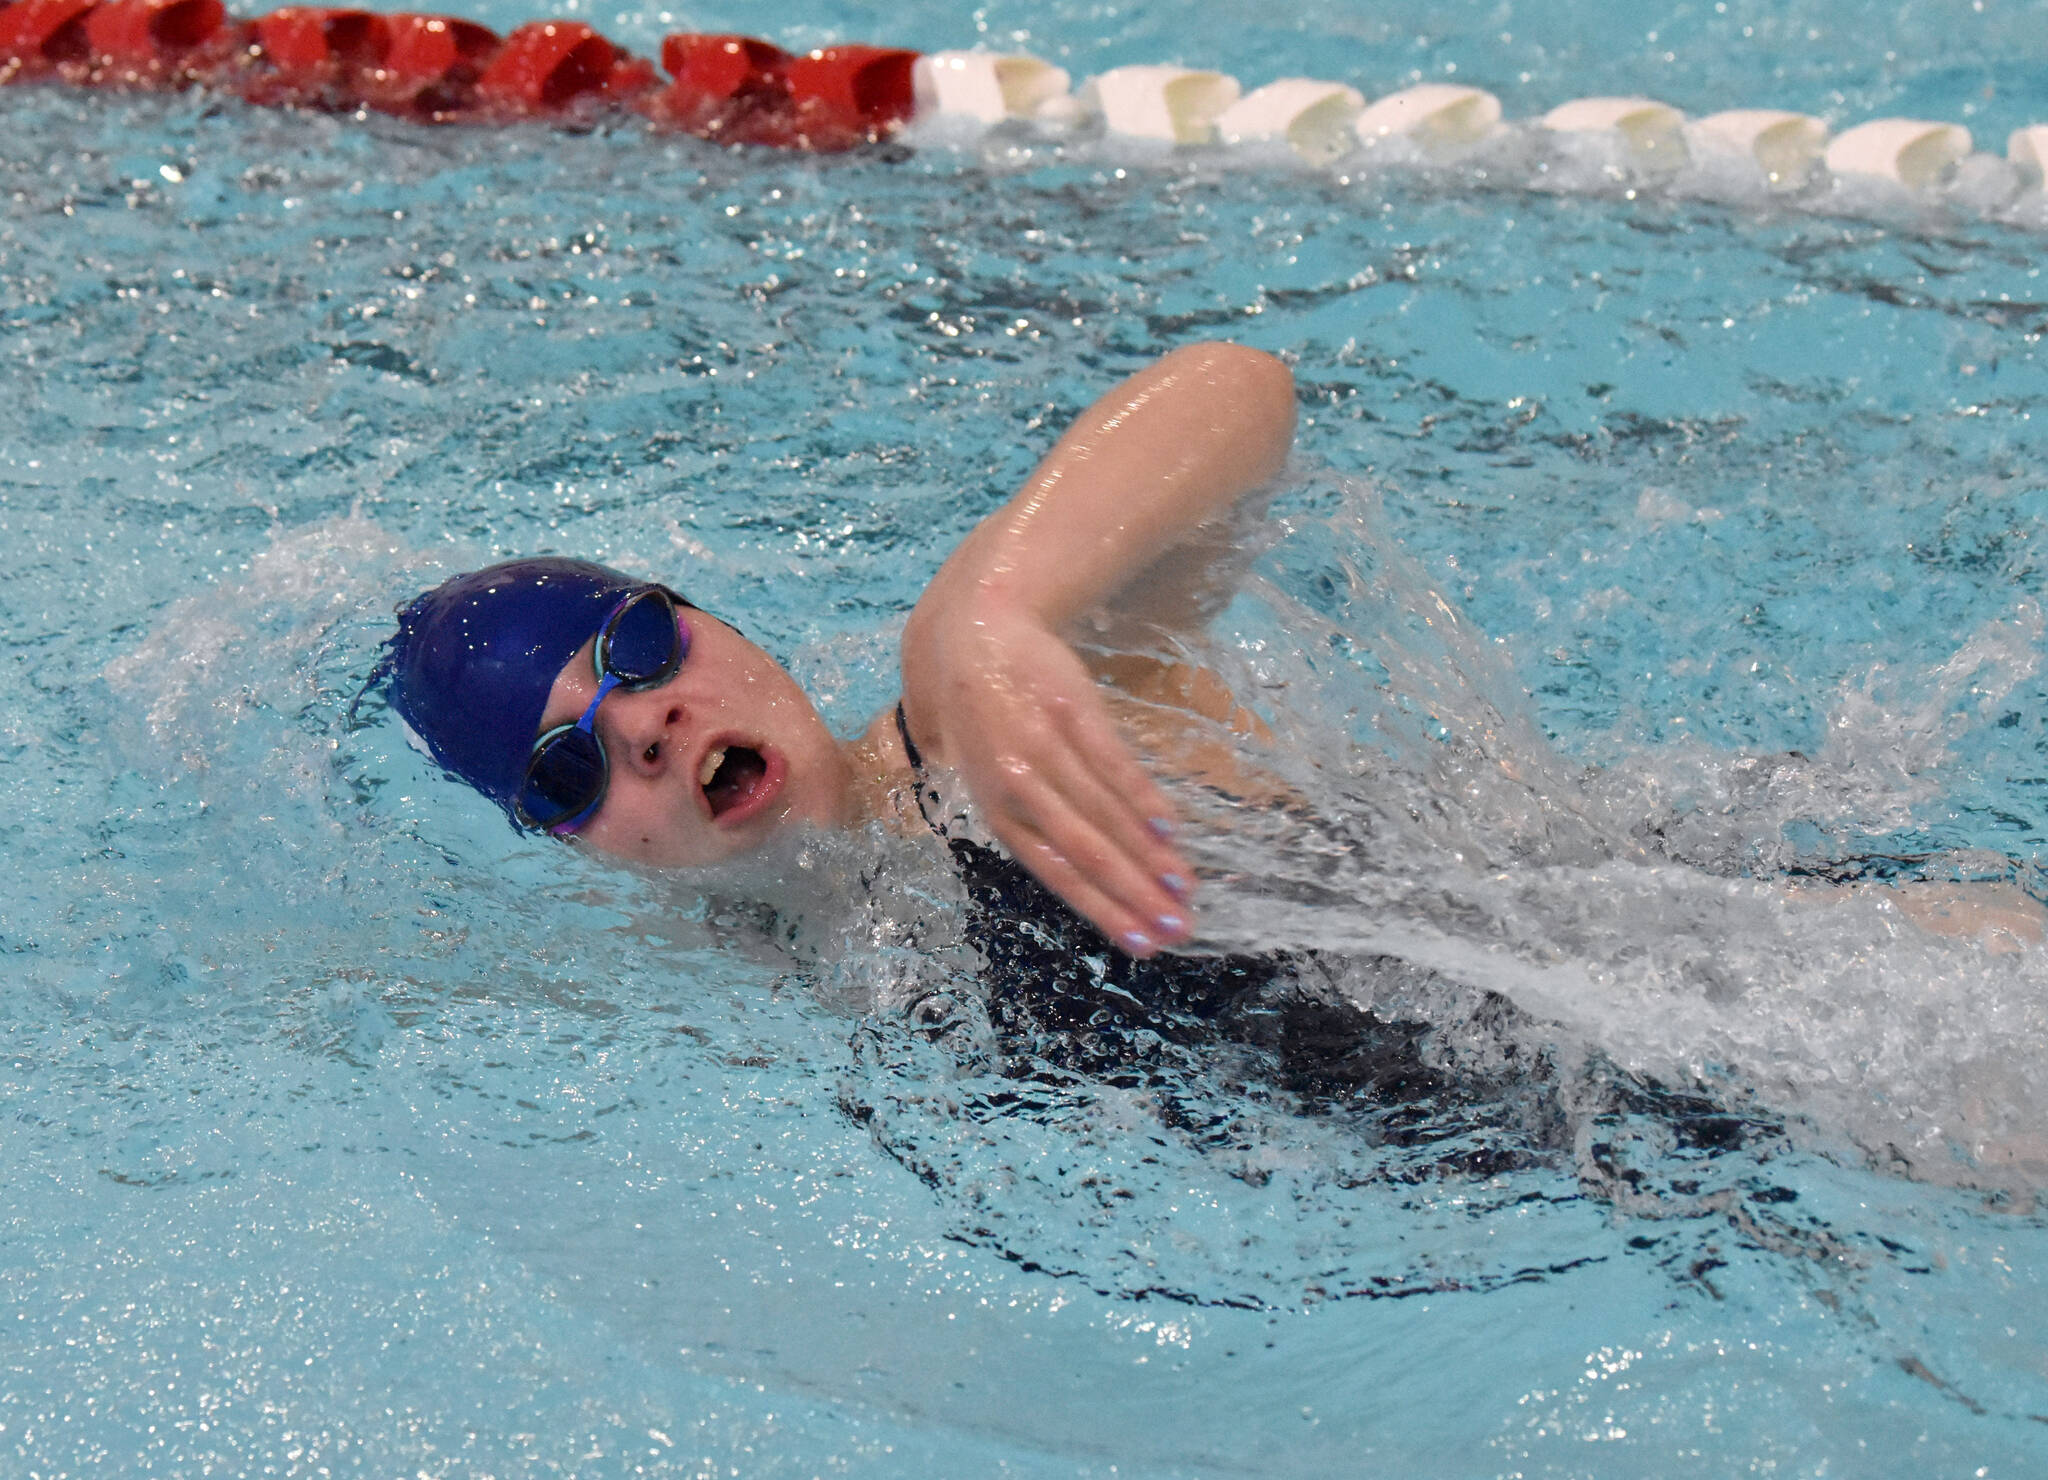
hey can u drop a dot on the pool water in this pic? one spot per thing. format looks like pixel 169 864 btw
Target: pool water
pixel 1639 550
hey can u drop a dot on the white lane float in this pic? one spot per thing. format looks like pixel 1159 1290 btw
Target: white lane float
pixel 1311 118
pixel 741 90
pixel 1440 119
pixel 2026 149
pixel 1909 152
pixel 1174 105
pixel 983 86
pixel 1784 146
pixel 1651 135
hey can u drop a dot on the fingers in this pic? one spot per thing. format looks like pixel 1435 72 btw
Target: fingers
pixel 1059 787
pixel 1138 917
pixel 1089 827
pixel 1142 814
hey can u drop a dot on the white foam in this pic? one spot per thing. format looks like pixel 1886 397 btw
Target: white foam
pixel 210 688
pixel 1457 840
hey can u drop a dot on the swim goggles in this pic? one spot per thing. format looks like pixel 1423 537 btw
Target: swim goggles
pixel 640 646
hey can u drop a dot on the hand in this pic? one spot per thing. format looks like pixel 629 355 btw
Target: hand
pixel 995 695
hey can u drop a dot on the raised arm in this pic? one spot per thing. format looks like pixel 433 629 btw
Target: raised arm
pixel 991 685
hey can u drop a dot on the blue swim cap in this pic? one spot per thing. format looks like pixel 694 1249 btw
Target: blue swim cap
pixel 473 660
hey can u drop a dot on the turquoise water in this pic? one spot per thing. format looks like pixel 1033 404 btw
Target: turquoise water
pixel 348 1132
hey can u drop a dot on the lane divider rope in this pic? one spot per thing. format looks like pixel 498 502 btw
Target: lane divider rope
pixel 437 69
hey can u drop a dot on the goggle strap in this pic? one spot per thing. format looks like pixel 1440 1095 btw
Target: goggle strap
pixel 605 684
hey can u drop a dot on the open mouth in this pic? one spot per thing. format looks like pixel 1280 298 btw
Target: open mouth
pixel 732 777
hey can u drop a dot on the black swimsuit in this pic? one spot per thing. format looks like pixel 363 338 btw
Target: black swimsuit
pixel 1064 1130
pixel 1062 1001
pixel 1028 934
pixel 1207 1040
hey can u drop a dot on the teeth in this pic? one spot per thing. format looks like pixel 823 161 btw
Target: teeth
pixel 712 762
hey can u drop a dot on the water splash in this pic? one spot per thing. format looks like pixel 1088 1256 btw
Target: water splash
pixel 1641 914
pixel 1644 913
pixel 257 669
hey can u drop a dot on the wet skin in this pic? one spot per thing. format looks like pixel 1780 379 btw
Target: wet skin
pixel 995 692
pixel 727 696
pixel 992 688
pixel 672 802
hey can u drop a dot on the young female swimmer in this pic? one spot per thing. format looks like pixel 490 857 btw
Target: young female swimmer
pixel 583 702
pixel 593 705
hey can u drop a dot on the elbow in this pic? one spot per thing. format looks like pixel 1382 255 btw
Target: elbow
pixel 1268 386
pixel 1258 391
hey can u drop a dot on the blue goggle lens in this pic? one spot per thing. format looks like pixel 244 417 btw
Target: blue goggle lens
pixel 566 776
pixel 641 646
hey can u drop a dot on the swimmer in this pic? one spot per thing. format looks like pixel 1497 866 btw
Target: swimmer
pixel 610 711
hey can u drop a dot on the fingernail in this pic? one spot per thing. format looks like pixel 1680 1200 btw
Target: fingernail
pixel 1137 942
pixel 1175 885
pixel 1171 925
pixel 1162 827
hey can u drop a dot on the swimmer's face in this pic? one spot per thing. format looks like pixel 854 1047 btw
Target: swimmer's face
pixel 712 764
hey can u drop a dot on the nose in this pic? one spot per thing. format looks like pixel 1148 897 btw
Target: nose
pixel 643 732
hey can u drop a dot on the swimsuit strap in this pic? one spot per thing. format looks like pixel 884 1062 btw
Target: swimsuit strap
pixel 927 796
pixel 909 745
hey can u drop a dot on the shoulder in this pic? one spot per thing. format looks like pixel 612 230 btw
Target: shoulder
pixel 884 739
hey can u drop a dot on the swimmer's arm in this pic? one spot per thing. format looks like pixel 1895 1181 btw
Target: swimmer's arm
pixel 1161 458
pixel 1187 721
pixel 2003 918
pixel 990 684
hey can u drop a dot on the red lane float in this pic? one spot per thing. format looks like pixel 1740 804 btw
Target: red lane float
pixel 724 67
pixel 739 89
pixel 429 48
pixel 309 57
pixel 867 86
pixel 734 89
pixel 160 43
pixel 304 39
pixel 44 38
pixel 431 69
pixel 554 67
pixel 424 67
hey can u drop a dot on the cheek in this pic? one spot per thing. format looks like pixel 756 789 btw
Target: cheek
pixel 640 825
